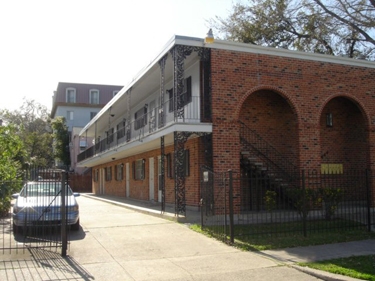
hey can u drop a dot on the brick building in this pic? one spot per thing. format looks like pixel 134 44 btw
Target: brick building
pixel 216 105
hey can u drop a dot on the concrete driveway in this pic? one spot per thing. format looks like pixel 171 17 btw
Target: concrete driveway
pixel 116 243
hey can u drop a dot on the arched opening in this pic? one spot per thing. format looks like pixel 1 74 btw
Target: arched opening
pixel 269 147
pixel 343 136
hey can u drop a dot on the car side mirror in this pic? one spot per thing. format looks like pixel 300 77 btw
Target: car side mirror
pixel 15 196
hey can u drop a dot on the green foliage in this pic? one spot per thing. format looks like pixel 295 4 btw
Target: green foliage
pixel 360 267
pixel 303 199
pixel 339 27
pixel 330 197
pixel 61 140
pixel 32 127
pixel 270 200
pixel 11 150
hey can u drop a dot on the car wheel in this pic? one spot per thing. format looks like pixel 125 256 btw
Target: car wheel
pixel 75 226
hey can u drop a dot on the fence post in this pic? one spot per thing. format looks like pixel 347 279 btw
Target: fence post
pixel 64 240
pixel 304 206
pixel 231 211
pixel 368 200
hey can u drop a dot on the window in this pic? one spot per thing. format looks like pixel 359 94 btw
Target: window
pixel 140 118
pixel 110 133
pixel 94 96
pixel 92 115
pixel 186 96
pixel 70 95
pixel 119 172
pixel 69 115
pixel 114 93
pixel 108 173
pixel 120 128
pixel 185 163
pixel 82 144
pixel 139 169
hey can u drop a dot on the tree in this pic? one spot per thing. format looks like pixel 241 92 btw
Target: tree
pixel 11 150
pixel 32 126
pixel 334 27
pixel 61 140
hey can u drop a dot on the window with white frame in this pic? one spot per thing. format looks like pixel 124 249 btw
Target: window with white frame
pixel 94 96
pixel 70 95
pixel 69 115
pixel 139 169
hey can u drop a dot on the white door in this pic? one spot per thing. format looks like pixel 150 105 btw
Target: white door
pixel 127 180
pixel 151 178
pixel 159 177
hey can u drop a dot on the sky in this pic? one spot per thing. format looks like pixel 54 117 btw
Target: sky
pixel 44 42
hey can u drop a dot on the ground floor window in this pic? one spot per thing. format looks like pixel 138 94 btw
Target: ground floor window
pixel 139 169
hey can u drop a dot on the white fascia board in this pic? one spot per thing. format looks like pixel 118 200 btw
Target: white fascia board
pixel 279 52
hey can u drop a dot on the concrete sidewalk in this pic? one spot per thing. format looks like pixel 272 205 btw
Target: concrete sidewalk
pixel 131 240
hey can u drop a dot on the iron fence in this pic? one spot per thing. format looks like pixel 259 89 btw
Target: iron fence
pixel 255 203
pixel 37 212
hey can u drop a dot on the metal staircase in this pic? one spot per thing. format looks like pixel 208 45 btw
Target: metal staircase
pixel 265 168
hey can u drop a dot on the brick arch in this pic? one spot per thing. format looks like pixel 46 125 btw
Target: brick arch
pixel 360 106
pixel 350 130
pixel 269 88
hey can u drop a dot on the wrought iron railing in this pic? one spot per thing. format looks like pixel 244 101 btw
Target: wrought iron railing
pixel 275 161
pixel 148 123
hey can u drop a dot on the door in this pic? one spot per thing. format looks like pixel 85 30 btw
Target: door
pixel 151 178
pixel 127 180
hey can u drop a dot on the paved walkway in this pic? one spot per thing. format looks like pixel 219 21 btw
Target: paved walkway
pixel 118 241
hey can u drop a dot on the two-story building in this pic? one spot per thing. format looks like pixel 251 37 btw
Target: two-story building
pixel 212 105
pixel 79 103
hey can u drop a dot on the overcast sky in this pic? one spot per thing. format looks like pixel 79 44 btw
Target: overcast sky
pixel 44 42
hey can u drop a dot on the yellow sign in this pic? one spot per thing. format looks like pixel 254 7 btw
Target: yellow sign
pixel 331 169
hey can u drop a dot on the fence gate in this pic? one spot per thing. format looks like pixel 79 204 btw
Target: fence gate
pixel 38 213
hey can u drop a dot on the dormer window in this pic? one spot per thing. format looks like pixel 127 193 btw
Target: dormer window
pixel 94 96
pixel 70 95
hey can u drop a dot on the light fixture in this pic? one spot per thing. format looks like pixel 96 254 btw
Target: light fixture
pixel 209 38
pixel 113 158
pixel 329 120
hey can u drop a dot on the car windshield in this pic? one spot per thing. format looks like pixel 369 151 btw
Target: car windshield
pixel 43 189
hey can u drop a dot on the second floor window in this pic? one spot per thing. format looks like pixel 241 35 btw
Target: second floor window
pixel 70 95
pixel 140 118
pixel 94 96
pixel 92 115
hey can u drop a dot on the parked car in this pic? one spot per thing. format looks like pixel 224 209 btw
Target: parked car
pixel 39 204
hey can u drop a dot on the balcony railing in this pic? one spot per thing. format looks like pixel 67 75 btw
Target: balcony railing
pixel 152 121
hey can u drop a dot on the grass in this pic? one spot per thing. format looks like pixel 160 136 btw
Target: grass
pixel 360 267
pixel 263 237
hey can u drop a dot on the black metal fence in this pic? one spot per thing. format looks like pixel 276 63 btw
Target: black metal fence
pixel 255 203
pixel 37 212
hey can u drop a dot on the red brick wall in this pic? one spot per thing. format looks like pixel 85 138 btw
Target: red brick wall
pixel 248 86
pixel 139 189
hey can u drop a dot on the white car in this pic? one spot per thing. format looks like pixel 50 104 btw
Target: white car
pixel 39 204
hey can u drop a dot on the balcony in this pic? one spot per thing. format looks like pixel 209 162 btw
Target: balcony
pixel 154 121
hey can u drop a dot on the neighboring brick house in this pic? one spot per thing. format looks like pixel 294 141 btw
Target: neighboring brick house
pixel 79 103
pixel 202 104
